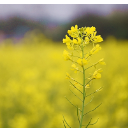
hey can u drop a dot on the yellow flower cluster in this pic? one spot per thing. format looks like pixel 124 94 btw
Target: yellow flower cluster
pixel 77 40
pixel 84 35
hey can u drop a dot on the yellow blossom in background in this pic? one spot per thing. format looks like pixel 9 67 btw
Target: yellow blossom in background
pixel 32 84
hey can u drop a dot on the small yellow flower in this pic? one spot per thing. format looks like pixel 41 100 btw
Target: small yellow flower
pixel 73 65
pixel 82 62
pixel 70 47
pixel 66 55
pixel 74 31
pixel 96 74
pixel 95 49
pixel 87 40
pixel 77 41
pixel 74 68
pixel 90 30
pixel 97 39
pixel 102 62
pixel 67 40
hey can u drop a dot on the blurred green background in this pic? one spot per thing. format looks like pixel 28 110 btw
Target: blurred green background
pixel 32 69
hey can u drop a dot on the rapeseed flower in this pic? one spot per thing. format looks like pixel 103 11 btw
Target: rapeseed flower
pixel 87 40
pixel 82 62
pixel 89 30
pixel 67 40
pixel 74 31
pixel 77 41
pixel 80 38
pixel 97 39
pixel 96 74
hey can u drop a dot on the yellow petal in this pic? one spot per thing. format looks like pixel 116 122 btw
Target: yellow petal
pixel 98 39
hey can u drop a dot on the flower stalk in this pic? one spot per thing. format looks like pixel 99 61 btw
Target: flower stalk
pixel 80 39
pixel 84 93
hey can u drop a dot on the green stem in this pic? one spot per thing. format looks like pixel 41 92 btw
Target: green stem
pixel 84 93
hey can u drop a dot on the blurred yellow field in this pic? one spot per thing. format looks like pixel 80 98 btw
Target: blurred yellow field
pixel 33 85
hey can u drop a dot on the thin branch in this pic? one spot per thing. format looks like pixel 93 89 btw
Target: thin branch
pixel 66 122
pixel 89 81
pixel 78 115
pixel 91 65
pixel 95 122
pixel 90 94
pixel 76 81
pixel 89 101
pixel 75 87
pixel 79 70
pixel 94 91
pixel 92 110
pixel 75 94
pixel 74 61
pixel 88 77
pixel 88 123
pixel 88 56
pixel 77 56
pixel 71 102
